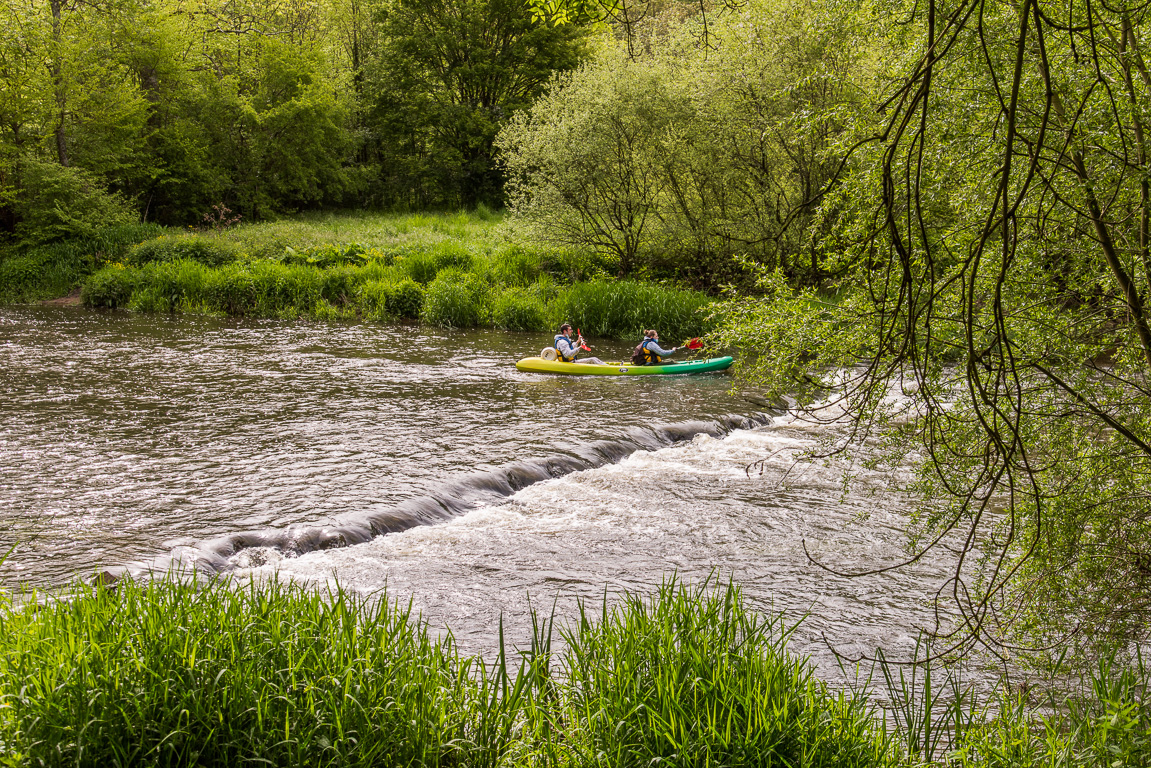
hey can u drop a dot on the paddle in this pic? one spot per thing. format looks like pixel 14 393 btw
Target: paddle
pixel 582 344
pixel 693 343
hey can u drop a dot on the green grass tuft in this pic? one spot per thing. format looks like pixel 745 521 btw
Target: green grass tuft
pixel 625 309
pixel 456 299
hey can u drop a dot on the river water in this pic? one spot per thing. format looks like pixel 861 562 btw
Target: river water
pixel 424 461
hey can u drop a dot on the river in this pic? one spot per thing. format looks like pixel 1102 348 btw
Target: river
pixel 259 447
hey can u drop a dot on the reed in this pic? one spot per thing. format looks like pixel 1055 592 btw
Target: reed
pixel 456 299
pixel 173 672
pixel 454 271
pixel 624 309
pixel 690 677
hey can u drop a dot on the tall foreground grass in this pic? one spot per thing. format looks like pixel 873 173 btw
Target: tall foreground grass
pixel 169 673
pixel 176 673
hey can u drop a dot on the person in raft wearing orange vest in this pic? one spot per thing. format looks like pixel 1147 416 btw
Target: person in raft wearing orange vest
pixel 649 351
pixel 567 349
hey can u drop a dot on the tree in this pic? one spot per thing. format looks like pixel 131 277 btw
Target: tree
pixel 993 236
pixel 688 159
pixel 449 75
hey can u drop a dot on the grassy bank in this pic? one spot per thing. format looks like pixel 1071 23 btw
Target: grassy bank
pixel 461 270
pixel 167 673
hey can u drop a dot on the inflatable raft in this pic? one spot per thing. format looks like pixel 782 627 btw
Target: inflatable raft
pixel 540 365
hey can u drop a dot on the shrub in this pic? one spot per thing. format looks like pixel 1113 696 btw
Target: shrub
pixel 338 284
pixel 285 291
pixel 171 286
pixel 56 202
pixel 19 275
pixel 516 310
pixel 211 252
pixel 380 299
pixel 231 290
pixel 448 254
pixel 109 288
pixel 456 299
pixel 405 299
pixel 419 267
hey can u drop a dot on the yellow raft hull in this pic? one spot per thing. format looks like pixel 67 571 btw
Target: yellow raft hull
pixel 539 365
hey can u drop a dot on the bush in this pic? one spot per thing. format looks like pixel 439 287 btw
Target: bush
pixel 456 299
pixel 231 290
pixel 109 288
pixel 171 286
pixel 20 275
pixel 211 252
pixel 625 309
pixel 57 202
pixel 338 285
pixel 285 291
pixel 54 269
pixel 449 254
pixel 516 310
pixel 423 265
pixel 381 299
pixel 419 267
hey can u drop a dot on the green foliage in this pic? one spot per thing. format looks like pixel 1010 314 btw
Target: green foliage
pixel 384 299
pixel 56 203
pixel 109 288
pixel 625 309
pixel 211 252
pixel 449 271
pixel 405 299
pixel 682 163
pixel 517 310
pixel 55 269
pixel 694 677
pixel 456 299
pixel 442 81
pixel 179 672
pixel 171 673
pixel 328 255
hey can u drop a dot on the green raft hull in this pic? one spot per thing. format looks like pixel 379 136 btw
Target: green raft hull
pixel 539 365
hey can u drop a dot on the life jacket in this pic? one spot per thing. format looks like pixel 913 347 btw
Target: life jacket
pixel 560 351
pixel 643 354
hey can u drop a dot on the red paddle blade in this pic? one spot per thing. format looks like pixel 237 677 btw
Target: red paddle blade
pixel 694 344
pixel 579 335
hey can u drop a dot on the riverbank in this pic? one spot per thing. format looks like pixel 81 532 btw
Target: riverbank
pixel 173 672
pixel 465 270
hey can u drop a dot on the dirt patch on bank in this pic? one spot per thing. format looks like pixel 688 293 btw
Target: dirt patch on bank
pixel 71 300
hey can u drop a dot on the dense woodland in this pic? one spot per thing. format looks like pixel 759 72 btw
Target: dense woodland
pixel 160 110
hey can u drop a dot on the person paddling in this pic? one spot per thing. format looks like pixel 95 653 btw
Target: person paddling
pixel 649 352
pixel 567 349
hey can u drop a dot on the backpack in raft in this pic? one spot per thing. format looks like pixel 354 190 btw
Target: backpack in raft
pixel 638 356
